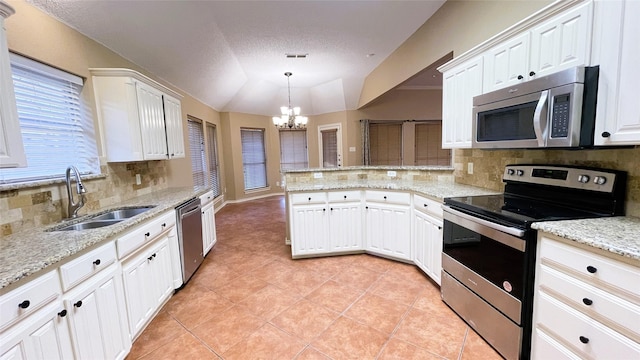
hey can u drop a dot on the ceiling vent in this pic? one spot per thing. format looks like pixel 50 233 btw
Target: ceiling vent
pixel 296 56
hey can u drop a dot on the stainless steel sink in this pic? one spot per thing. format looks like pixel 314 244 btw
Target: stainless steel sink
pixel 122 213
pixel 91 224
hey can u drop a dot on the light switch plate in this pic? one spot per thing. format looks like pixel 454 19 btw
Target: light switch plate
pixel 470 168
pixel 352 149
pixel 138 179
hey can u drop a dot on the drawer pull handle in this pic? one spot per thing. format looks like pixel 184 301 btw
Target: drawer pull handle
pixel 78 304
pixel 587 301
pixel 425 205
pixel 25 304
pixel 345 196
pixel 331 209
pixel 591 269
pixel 385 197
pixel 324 209
pixel 520 77
pixel 531 73
pixel 150 258
pixel 62 313
pixel 164 225
pixel 97 262
pixel 439 227
pixel 584 340
pixel 147 234
pixel 309 199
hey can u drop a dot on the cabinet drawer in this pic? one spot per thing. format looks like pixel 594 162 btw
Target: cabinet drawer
pixel 591 300
pixel 206 198
pixel 582 333
pixel 590 267
pixel 309 198
pixel 18 303
pixel 388 197
pixel 344 196
pixel 76 271
pixel 144 233
pixel 428 206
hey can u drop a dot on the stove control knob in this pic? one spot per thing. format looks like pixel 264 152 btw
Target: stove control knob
pixel 583 178
pixel 510 171
pixel 600 180
pixel 519 172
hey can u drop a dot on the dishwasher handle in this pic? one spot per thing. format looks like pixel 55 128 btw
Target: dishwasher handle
pixel 188 213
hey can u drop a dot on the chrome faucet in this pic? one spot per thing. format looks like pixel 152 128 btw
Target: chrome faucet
pixel 73 207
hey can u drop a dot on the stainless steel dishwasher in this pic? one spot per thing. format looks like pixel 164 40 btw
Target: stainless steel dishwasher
pixel 190 237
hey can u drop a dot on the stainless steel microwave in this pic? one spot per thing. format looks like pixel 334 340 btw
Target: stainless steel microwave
pixel 556 110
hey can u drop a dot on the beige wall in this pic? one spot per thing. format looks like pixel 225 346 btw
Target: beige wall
pixel 457 26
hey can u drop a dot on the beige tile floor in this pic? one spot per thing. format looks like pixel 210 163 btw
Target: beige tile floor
pixel 250 300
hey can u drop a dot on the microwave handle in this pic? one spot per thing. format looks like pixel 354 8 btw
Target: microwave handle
pixel 537 118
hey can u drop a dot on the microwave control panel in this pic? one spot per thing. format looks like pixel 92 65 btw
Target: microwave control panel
pixel 560 116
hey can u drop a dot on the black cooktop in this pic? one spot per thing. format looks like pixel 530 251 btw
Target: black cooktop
pixel 515 211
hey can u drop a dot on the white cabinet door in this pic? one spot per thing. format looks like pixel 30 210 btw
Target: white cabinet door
pixel 345 226
pixel 309 229
pixel 152 126
pixel 562 42
pixel 506 64
pixel 460 85
pixel 173 123
pixel 97 317
pixel 617 51
pixel 388 230
pixel 11 148
pixel 208 227
pixel 43 335
pixel 427 239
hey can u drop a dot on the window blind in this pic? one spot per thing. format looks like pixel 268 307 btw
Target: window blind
pixel 57 130
pixel 293 149
pixel 254 160
pixel 428 145
pixel 196 146
pixel 385 143
pixel 329 148
pixel 214 166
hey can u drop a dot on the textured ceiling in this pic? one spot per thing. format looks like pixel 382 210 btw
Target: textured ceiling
pixel 231 54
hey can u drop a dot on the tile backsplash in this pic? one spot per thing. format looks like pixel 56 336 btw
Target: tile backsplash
pixel 47 204
pixel 489 165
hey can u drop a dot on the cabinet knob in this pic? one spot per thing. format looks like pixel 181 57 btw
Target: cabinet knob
pixel 606 134
pixel 97 262
pixel 25 304
pixel 324 209
pixel 439 227
pixel 531 73
pixel 520 77
pixel 154 255
pixel 591 269
pixel 78 304
pixel 425 205
pixel 150 258
pixel 147 234
pixel 62 313
pixel 366 207
pixel 164 225
pixel 587 301
pixel 584 340
pixel 385 197
pixel 309 199
pixel 331 209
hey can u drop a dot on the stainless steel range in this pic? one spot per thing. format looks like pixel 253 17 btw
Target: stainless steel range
pixel 489 247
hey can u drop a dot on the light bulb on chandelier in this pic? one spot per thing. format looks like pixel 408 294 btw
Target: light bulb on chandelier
pixel 290 118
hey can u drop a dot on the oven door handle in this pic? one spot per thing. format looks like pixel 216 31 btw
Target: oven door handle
pixel 506 229
pixel 541 134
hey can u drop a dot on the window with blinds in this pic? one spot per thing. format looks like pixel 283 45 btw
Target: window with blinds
pixel 293 149
pixel 214 165
pixel 196 147
pixel 385 143
pixel 329 148
pixel 428 145
pixel 57 131
pixel 254 159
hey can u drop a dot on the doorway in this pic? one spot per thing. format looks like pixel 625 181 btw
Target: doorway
pixel 330 143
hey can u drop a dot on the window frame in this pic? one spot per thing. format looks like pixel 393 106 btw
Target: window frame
pixel 293 149
pixel 245 162
pixel 199 178
pixel 213 161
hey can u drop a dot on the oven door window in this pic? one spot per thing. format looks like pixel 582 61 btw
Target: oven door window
pixel 498 263
pixel 510 123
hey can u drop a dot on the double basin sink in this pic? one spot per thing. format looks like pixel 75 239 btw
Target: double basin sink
pixel 106 219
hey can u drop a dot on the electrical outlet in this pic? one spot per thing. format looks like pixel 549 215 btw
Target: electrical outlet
pixel 391 173
pixel 470 168
pixel 352 149
pixel 317 175
pixel 138 179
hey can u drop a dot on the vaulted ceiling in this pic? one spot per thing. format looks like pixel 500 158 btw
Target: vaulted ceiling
pixel 231 55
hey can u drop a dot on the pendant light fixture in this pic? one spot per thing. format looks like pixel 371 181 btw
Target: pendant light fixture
pixel 290 118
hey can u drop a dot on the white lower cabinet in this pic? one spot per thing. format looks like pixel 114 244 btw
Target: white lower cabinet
pixel 208 227
pixel 148 282
pixel 585 305
pixel 427 240
pixel 388 224
pixel 97 316
pixel 309 229
pixel 345 226
pixel 44 335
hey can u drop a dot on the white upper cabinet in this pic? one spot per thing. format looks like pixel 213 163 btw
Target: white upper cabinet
pixel 460 85
pixel 617 51
pixel 558 43
pixel 11 148
pixel 139 118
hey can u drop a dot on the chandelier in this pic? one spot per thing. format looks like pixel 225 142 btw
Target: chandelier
pixel 290 117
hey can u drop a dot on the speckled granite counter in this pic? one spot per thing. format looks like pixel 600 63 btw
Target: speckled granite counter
pixel 619 235
pixel 435 189
pixel 33 250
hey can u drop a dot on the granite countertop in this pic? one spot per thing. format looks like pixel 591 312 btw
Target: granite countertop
pixel 434 189
pixel 368 167
pixel 619 235
pixel 33 250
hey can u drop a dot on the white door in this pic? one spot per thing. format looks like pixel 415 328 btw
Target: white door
pixel 208 227
pixel 152 126
pixel 507 64
pixel 388 230
pixel 309 226
pixel 345 224
pixel 138 289
pixel 173 123
pixel 330 142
